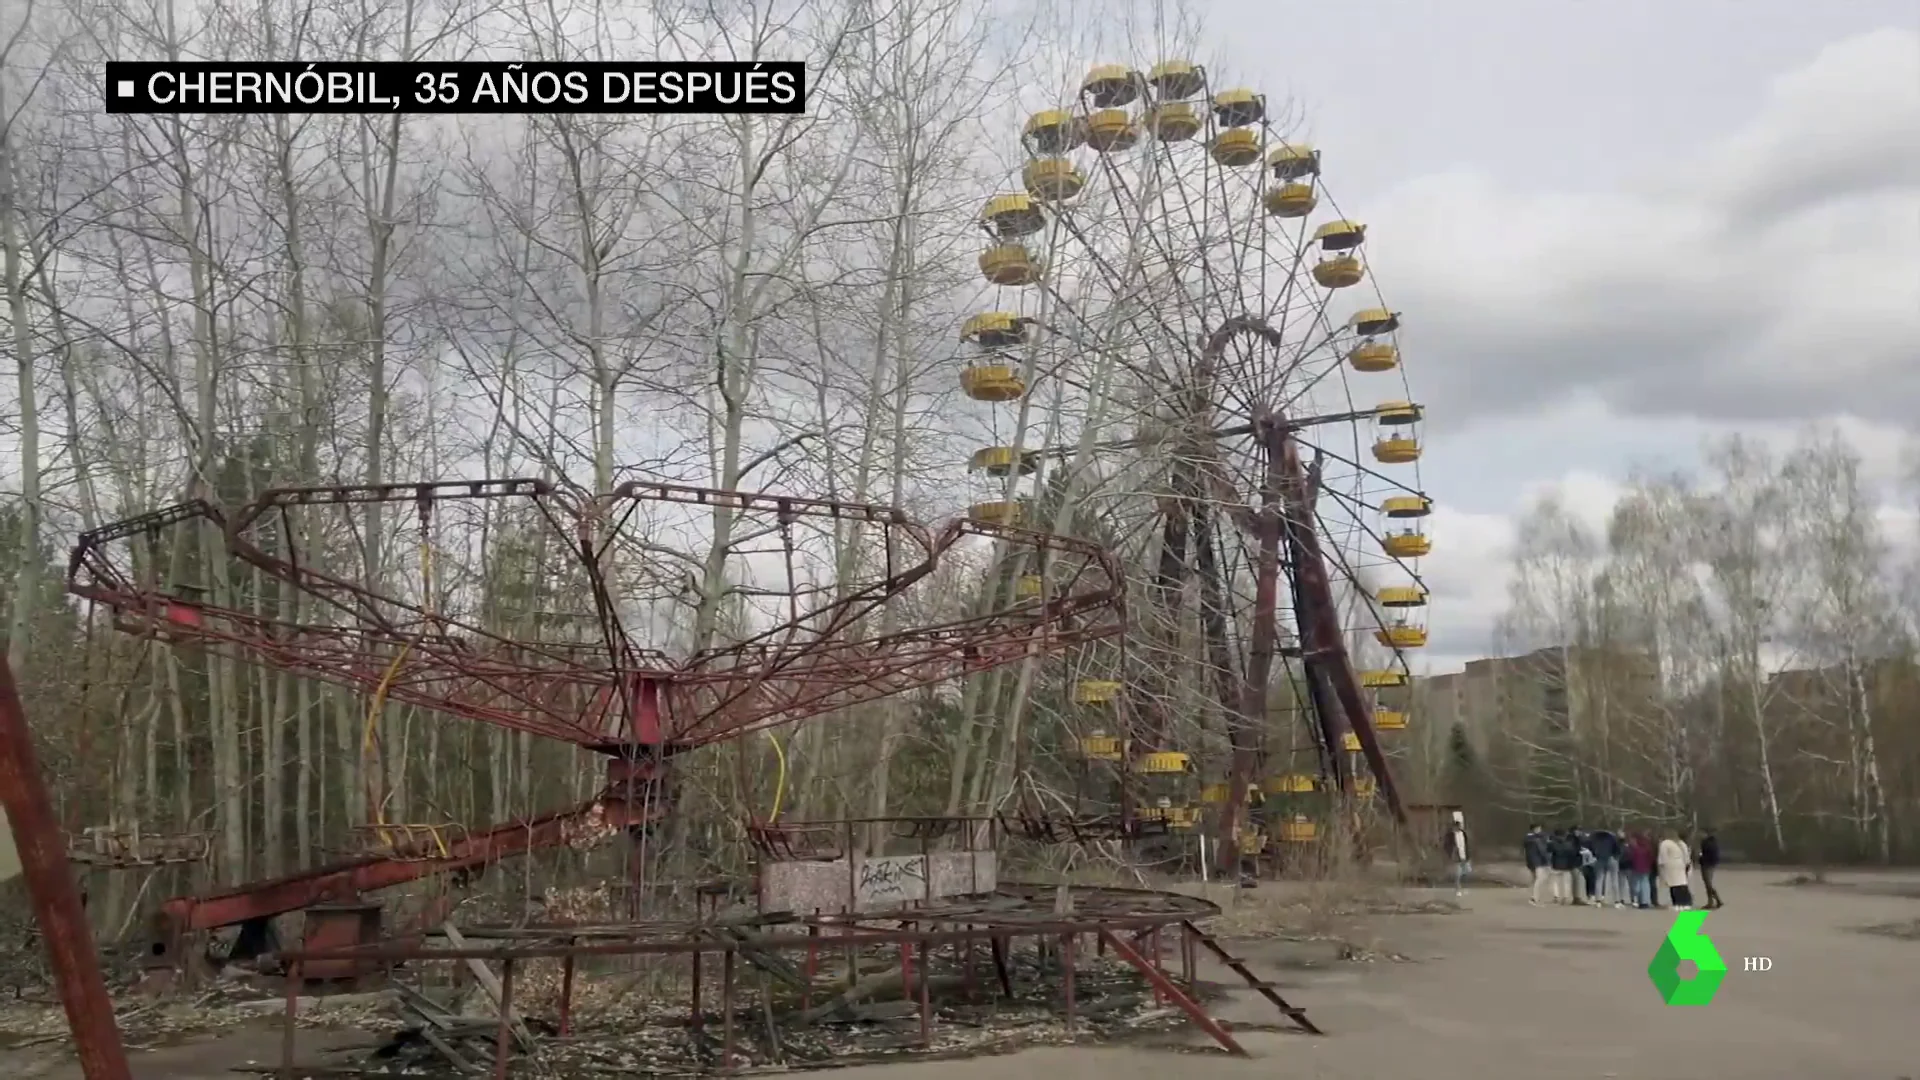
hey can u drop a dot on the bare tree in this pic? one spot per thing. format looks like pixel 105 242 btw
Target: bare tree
pixel 1742 533
pixel 1845 619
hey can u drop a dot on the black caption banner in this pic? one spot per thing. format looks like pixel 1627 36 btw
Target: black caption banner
pixel 467 87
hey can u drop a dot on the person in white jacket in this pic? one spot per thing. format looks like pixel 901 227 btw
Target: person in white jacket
pixel 1457 850
pixel 1674 862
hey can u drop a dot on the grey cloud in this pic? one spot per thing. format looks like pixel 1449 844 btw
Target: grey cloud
pixel 1777 277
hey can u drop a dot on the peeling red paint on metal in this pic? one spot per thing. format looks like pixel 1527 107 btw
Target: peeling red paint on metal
pixel 56 902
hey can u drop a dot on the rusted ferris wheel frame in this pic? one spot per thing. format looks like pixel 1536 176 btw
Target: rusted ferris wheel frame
pixel 638 707
pixel 1282 524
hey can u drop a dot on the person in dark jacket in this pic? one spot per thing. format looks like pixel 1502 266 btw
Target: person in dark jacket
pixel 1563 858
pixel 1605 846
pixel 1583 878
pixel 1539 863
pixel 1708 860
pixel 1640 859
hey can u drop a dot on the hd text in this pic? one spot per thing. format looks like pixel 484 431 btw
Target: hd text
pixel 303 87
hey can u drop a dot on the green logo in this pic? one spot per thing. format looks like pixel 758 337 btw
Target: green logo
pixel 1686 942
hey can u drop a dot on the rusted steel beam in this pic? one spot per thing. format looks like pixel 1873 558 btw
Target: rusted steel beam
pixel 1316 593
pixel 1171 993
pixel 56 903
pixel 347 880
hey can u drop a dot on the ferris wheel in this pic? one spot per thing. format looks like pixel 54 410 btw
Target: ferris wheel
pixel 1182 348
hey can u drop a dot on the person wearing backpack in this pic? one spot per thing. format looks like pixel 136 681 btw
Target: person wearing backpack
pixel 1583 878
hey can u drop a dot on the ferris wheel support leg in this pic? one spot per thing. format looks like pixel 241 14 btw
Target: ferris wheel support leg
pixel 1319 611
pixel 1336 666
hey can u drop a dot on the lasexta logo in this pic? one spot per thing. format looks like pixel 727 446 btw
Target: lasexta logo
pixel 1685 942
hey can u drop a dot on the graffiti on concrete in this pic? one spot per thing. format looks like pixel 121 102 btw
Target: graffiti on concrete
pixel 875 882
pixel 891 879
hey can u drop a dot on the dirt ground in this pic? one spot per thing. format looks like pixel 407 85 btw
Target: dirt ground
pixel 1500 990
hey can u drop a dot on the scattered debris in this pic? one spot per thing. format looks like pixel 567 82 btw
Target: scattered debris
pixel 145 1025
pixel 438 1032
pixel 1905 931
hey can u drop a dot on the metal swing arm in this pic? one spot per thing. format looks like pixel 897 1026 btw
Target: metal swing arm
pixel 586 693
pixel 350 879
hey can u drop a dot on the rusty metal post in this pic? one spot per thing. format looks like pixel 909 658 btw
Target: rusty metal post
pixel 287 1029
pixel 694 1018
pixel 853 883
pixel 566 994
pixel 1066 976
pixel 1188 960
pixel 1171 993
pixel 56 903
pixel 726 1011
pixel 813 966
pixel 1153 957
pixel 926 1000
pixel 503 1035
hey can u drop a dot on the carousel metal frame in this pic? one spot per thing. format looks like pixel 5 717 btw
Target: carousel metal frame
pixel 637 708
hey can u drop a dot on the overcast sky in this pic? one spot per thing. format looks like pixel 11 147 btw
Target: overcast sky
pixel 1616 229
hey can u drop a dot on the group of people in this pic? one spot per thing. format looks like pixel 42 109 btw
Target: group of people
pixel 1598 867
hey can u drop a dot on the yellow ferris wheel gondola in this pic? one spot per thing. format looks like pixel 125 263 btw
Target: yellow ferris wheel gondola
pixel 1002 461
pixel 1052 179
pixel 1399 439
pixel 1112 130
pixel 1373 349
pixel 1111 86
pixel 995 330
pixel 1011 217
pixel 998 512
pixel 1341 267
pixel 1174 121
pixel 1010 265
pixel 1239 107
pixel 1404 629
pixel 992 382
pixel 1236 147
pixel 1054 131
pixel 1299 829
pixel 1096 692
pixel 1403 537
pixel 1177 80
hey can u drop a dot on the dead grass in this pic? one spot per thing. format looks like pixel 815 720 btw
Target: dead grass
pixel 1325 910
pixel 599 984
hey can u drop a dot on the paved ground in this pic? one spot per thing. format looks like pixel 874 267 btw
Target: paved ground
pixel 1505 991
